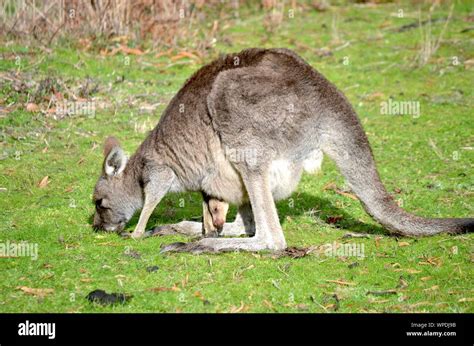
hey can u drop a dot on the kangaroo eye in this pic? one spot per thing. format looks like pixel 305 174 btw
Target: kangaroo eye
pixel 98 203
pixel 215 209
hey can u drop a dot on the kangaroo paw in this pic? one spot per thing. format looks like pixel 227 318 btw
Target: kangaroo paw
pixel 125 235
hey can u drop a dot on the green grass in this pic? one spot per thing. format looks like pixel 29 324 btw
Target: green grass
pixel 73 260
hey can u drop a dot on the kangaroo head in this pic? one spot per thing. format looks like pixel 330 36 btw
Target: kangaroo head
pixel 116 195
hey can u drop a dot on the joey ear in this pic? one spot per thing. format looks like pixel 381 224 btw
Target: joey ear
pixel 115 158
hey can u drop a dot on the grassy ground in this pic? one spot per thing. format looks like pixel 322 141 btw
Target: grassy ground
pixel 425 161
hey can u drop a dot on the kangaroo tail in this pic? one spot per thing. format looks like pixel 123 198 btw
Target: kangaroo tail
pixel 346 143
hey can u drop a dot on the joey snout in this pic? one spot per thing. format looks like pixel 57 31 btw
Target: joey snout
pixel 218 223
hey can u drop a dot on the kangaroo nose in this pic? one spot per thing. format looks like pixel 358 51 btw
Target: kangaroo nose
pixel 96 224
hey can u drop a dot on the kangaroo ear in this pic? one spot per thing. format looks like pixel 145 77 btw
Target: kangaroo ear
pixel 115 158
pixel 109 144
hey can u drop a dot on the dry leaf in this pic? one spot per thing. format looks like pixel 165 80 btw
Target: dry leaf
pixel 434 261
pixel 109 243
pixel 39 292
pixel 375 96
pixel 105 52
pixel 167 53
pixel 339 282
pixel 413 271
pixel 183 55
pixel 32 107
pixel 465 300
pixel 241 308
pixel 469 63
pixel 159 289
pixel 58 96
pixel 403 243
pixel 411 306
pixel 333 187
pixel 44 182
pixel 164 289
pixel 376 301
pixel 268 304
pixel 132 51
pixel 185 281
pixel 120 39
pixel 302 307
pixel 402 283
pixel 199 295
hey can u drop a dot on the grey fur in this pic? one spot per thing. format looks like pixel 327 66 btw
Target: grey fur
pixel 240 130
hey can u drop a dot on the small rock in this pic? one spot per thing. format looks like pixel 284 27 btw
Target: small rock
pixel 103 298
pixel 152 269
pixel 353 265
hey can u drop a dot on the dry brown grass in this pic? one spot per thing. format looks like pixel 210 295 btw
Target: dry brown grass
pixel 429 43
pixel 162 21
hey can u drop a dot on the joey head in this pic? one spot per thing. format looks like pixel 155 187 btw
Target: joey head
pixel 214 212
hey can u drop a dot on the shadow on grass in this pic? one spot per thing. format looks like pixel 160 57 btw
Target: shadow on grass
pixel 303 203
pixel 325 211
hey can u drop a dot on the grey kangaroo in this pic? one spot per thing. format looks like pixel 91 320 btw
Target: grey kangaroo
pixel 241 130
